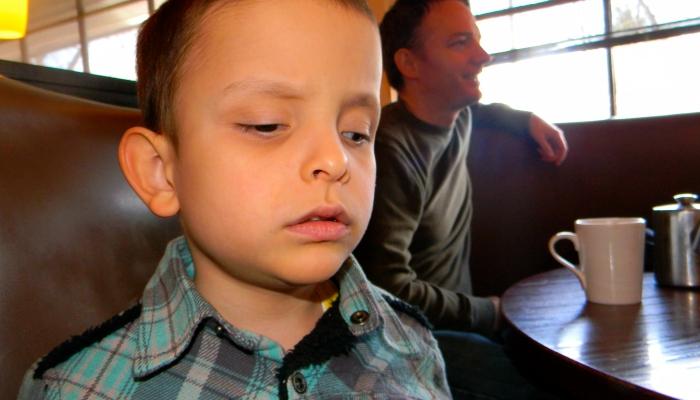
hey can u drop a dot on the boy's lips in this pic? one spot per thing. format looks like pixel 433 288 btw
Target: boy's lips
pixel 323 224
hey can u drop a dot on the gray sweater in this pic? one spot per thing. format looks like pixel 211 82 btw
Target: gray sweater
pixel 417 244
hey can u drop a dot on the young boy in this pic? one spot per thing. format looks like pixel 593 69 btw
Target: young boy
pixel 259 118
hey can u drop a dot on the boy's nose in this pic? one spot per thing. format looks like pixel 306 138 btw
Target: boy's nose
pixel 327 159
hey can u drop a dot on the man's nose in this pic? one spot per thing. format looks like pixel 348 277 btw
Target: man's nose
pixel 481 57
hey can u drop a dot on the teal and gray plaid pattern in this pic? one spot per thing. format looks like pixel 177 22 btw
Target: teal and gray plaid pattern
pixel 179 347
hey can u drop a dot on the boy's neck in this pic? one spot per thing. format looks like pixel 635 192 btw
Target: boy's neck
pixel 283 316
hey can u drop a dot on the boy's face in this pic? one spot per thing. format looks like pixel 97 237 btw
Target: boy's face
pixel 276 112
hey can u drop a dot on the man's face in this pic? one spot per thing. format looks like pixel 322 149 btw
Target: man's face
pixel 448 55
pixel 276 112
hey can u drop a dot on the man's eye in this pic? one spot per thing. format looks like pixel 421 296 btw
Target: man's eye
pixel 356 137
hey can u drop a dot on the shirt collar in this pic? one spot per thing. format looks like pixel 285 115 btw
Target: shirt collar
pixel 173 309
pixel 358 295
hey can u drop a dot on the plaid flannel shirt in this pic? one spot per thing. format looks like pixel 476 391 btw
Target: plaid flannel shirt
pixel 179 347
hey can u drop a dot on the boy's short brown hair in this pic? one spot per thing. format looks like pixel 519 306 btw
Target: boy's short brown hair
pixel 164 41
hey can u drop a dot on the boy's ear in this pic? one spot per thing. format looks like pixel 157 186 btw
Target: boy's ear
pixel 147 161
pixel 406 63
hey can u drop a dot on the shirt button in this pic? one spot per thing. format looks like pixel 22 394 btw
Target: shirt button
pixel 359 317
pixel 298 382
pixel 220 332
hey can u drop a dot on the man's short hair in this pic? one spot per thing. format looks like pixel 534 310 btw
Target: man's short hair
pixel 398 31
pixel 165 39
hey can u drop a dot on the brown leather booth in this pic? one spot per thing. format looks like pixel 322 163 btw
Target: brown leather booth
pixel 76 246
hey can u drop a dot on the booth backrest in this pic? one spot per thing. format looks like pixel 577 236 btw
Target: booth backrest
pixel 615 168
pixel 76 245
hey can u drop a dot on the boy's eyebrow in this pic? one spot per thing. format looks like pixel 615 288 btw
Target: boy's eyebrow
pixel 362 100
pixel 285 90
pixel 264 86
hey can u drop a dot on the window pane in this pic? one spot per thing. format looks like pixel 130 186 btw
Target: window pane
pixel 563 87
pixel 558 23
pixel 9 50
pixel 487 6
pixel 630 14
pixel 47 12
pixel 56 47
pixel 496 34
pixel 93 5
pixel 518 3
pixel 65 58
pixel 658 77
pixel 548 25
pixel 112 40
pixel 114 55
pixel 116 20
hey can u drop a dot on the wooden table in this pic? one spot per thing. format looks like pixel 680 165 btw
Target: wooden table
pixel 649 350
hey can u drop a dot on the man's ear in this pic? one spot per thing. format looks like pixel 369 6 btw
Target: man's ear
pixel 405 61
pixel 147 161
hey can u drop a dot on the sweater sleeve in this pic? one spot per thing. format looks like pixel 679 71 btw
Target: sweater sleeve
pixel 385 253
pixel 501 117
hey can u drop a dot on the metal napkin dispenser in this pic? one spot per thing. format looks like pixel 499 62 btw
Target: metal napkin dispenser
pixel 677 244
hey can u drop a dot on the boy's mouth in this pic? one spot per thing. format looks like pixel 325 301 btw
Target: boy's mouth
pixel 313 219
pixel 331 213
pixel 326 223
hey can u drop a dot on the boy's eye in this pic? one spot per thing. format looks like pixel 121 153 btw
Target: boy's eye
pixel 264 129
pixel 356 137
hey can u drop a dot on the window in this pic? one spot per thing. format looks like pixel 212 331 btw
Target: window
pixel 95 36
pixel 592 59
pixel 56 46
pixel 111 39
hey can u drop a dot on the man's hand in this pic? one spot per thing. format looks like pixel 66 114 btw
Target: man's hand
pixel 550 139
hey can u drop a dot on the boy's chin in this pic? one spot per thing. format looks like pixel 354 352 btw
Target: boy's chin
pixel 315 268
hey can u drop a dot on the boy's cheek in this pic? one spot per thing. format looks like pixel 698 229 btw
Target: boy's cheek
pixel 365 202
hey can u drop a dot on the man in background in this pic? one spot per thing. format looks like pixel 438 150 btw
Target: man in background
pixel 417 243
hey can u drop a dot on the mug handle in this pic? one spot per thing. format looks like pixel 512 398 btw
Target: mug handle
pixel 563 261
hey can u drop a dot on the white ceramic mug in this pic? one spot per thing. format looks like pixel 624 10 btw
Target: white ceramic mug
pixel 611 255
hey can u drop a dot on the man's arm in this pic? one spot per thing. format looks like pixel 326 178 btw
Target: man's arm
pixel 385 256
pixel 550 139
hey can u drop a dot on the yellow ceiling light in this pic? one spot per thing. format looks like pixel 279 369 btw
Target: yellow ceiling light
pixel 13 18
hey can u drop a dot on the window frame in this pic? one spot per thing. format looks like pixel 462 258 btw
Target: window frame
pixel 606 40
